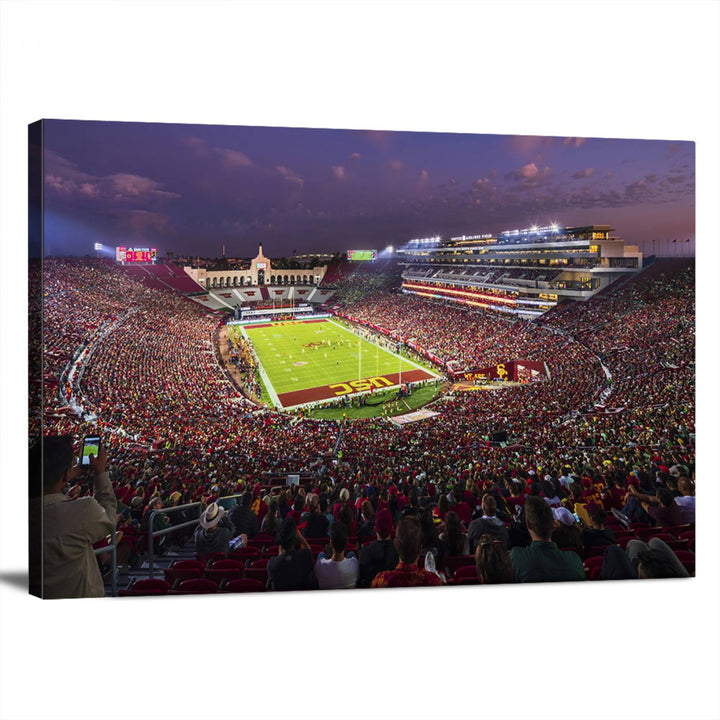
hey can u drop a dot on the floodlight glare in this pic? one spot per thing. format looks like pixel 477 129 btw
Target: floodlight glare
pixel 389 248
pixel 98 246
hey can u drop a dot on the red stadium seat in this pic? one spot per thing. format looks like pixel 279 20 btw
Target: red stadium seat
pixel 465 571
pixel 458 561
pixel 205 558
pixel 646 533
pixel 678 530
pixel 196 586
pixel 593 566
pixel 687 558
pixel 257 573
pixel 259 544
pixel 183 570
pixel 244 554
pixel 674 544
pixel 244 585
pixel 225 570
pixel 689 535
pixel 147 586
pixel 264 537
pixel 468 581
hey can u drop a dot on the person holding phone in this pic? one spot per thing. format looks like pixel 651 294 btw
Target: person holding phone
pixel 70 527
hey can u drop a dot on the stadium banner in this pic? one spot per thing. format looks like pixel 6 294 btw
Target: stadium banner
pixel 422 414
pixel 523 371
pixel 260 321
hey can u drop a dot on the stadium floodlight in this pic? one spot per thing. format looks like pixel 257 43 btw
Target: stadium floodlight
pixel 390 248
pixel 98 246
pixel 534 229
pixel 554 227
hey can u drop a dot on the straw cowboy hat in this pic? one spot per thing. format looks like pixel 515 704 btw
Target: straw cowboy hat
pixel 212 516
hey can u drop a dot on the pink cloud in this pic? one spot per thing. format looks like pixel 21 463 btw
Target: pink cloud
pixel 338 172
pixel 233 158
pixel 67 179
pixel 295 180
pixel 229 157
pixel 582 174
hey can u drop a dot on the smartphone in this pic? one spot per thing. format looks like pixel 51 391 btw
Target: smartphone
pixel 91 446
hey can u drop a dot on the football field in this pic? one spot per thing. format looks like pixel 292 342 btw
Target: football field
pixel 312 360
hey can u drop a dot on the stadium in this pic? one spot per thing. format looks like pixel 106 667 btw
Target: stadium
pixel 550 362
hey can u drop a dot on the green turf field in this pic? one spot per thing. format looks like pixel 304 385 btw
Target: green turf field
pixel 298 356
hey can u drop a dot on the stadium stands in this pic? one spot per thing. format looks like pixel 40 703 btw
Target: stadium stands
pixel 618 407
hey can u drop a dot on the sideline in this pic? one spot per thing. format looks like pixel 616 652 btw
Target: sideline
pixel 271 390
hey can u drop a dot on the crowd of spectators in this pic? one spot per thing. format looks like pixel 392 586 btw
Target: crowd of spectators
pixel 177 430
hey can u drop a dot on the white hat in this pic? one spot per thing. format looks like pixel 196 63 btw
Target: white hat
pixel 212 516
pixel 563 516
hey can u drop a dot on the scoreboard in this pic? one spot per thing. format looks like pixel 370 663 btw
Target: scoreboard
pixel 135 255
pixel 365 255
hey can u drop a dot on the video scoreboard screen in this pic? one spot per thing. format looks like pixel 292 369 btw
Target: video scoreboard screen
pixel 361 255
pixel 135 255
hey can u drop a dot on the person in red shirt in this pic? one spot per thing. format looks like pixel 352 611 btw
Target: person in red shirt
pixel 408 543
pixel 462 508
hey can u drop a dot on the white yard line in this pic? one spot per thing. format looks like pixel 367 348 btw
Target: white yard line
pixel 395 355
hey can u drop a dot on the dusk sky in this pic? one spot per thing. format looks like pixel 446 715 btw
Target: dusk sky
pixel 190 188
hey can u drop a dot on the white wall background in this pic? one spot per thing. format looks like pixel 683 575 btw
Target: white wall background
pixel 468 652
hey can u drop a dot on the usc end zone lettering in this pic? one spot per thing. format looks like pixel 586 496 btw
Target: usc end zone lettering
pixel 329 392
pixel 360 385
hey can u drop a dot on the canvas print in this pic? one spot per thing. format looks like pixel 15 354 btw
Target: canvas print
pixel 270 359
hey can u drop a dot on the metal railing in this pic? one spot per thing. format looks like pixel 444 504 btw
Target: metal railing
pixel 112 547
pixel 152 534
